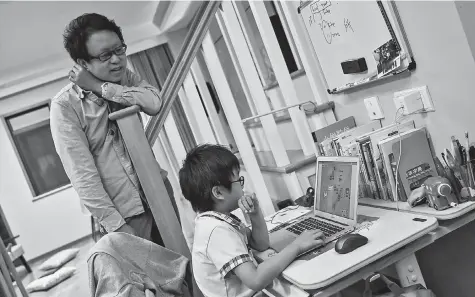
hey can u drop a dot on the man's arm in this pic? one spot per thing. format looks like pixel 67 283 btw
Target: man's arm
pixel 140 93
pixel 72 147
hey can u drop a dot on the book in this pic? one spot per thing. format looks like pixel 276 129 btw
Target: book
pixel 400 190
pixel 333 130
pixel 417 163
pixel 368 160
pixel 374 138
pixel 353 150
pixel 385 147
pixel 346 145
pixel 327 148
pixel 345 139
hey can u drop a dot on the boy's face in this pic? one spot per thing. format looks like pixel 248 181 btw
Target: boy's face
pixel 232 196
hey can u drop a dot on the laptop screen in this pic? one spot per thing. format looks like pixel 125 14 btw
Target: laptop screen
pixel 335 188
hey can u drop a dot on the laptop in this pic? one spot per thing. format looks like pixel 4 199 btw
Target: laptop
pixel 335 202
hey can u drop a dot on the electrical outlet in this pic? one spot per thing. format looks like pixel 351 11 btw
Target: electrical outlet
pixel 424 93
pixel 375 112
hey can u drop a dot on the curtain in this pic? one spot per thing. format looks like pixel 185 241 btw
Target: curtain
pixel 154 65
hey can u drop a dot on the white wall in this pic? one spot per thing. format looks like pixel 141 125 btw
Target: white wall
pixel 34 45
pixel 50 222
pixel 444 63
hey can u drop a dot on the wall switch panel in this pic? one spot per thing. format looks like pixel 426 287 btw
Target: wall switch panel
pixel 375 112
pixel 410 100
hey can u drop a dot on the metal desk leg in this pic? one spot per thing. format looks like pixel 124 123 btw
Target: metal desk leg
pixel 409 271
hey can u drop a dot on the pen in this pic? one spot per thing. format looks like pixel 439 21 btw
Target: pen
pixel 445 161
pixel 461 150
pixel 456 152
pixel 471 181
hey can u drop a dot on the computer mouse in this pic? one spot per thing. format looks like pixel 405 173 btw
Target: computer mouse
pixel 349 242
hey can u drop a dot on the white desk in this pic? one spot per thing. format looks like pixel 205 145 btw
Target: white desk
pixel 424 209
pixel 390 232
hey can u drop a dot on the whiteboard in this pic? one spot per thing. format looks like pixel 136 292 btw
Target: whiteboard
pixel 347 30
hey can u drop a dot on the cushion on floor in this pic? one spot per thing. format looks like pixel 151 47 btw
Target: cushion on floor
pixel 59 259
pixel 47 282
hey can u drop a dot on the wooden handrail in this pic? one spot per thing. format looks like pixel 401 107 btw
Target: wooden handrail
pixel 181 67
pixel 122 113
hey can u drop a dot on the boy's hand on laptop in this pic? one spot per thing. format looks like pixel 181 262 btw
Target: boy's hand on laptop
pixel 308 240
pixel 248 203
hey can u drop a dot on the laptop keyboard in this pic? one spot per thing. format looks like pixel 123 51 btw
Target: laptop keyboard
pixel 312 223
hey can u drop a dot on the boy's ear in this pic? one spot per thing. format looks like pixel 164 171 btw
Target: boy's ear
pixel 217 193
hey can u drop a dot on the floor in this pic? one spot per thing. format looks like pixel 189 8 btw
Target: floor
pixel 77 285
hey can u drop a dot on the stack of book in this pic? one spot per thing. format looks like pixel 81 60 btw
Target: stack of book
pixel 379 149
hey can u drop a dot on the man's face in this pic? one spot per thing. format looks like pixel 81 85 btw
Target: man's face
pixel 101 43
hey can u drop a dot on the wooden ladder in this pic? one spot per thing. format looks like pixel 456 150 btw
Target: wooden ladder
pixel 139 142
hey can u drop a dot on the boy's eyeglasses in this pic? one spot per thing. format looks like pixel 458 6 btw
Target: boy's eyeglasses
pixel 240 180
pixel 107 55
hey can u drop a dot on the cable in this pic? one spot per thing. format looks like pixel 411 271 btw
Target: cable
pixel 284 210
pixel 397 122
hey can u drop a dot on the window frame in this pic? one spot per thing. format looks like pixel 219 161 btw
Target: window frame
pixel 260 64
pixel 290 38
pixel 5 121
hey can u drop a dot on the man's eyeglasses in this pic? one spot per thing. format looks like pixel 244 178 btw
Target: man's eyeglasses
pixel 240 180
pixel 107 55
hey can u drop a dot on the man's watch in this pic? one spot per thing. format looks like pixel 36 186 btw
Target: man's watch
pixel 104 89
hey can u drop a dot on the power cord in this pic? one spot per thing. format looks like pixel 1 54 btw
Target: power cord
pixel 280 212
pixel 397 121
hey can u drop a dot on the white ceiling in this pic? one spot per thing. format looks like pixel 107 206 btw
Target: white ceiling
pixel 31 32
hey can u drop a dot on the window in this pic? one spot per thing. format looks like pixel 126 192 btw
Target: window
pixel 284 38
pixel 281 37
pixel 31 136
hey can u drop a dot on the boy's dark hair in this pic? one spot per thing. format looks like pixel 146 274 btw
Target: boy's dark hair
pixel 204 167
pixel 81 28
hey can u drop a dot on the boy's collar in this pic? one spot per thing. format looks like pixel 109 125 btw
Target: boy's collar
pixel 230 219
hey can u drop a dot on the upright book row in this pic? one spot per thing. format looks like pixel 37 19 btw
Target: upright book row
pixel 396 151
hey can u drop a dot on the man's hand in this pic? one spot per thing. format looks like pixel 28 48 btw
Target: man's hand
pixel 249 204
pixel 85 80
pixel 126 229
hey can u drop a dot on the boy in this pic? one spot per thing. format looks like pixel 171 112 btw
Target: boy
pixel 223 264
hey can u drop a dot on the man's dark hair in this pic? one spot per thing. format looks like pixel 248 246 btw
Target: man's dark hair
pixel 204 167
pixel 81 28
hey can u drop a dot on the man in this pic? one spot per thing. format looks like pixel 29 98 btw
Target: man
pixel 90 146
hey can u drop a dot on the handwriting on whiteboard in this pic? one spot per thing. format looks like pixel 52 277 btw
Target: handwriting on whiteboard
pixel 321 17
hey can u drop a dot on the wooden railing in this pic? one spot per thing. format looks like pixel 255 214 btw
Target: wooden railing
pixel 181 67
pixel 139 143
